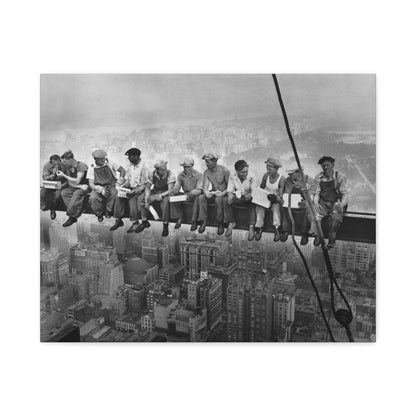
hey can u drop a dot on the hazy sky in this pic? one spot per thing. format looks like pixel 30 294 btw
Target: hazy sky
pixel 84 101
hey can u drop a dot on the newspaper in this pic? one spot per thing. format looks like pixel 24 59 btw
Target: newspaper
pixel 51 184
pixel 260 197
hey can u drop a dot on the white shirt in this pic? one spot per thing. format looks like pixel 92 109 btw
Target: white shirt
pixel 245 187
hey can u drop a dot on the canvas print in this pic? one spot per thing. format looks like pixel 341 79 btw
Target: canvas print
pixel 207 208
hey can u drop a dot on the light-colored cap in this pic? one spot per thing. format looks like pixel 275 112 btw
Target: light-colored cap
pixel 99 154
pixel 187 161
pixel 274 162
pixel 211 155
pixel 160 163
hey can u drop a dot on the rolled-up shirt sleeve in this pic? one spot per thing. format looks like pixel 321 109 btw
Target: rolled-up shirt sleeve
pixel 231 185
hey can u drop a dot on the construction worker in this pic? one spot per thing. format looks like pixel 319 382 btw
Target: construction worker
pixel 190 181
pixel 163 181
pixel 272 182
pixel 294 185
pixel 102 179
pixel 239 191
pixel 330 200
pixel 215 176
pixel 48 197
pixel 74 195
pixel 137 178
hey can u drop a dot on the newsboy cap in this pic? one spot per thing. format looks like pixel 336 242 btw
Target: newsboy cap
pixel 160 163
pixel 274 162
pixel 187 161
pixel 99 154
pixel 211 155
pixel 325 159
pixel 133 151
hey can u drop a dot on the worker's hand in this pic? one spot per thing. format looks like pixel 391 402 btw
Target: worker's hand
pixel 194 192
pixel 338 207
pixel 208 194
pixel 247 197
pixel 107 191
pixel 302 204
pixel 230 199
pixel 120 181
pixel 84 187
pixel 272 198
pixel 158 197
pixel 218 193
pixel 60 174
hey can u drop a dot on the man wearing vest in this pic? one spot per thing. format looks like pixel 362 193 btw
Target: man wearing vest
pixel 294 185
pixel 190 181
pixel 102 179
pixel 137 178
pixel 215 176
pixel 74 195
pixel 163 181
pixel 331 199
pixel 273 182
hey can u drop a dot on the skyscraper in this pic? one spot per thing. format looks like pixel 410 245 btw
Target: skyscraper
pixel 111 277
pixel 62 239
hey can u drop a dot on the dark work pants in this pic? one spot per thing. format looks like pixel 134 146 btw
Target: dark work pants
pixel 99 203
pixel 48 198
pixel 177 207
pixel 238 202
pixel 335 219
pixel 136 206
pixel 222 209
pixel 74 200
pixel 164 206
pixel 306 221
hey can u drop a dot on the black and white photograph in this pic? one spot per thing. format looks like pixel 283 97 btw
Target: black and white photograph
pixel 208 208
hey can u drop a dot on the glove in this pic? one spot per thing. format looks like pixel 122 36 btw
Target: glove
pixel 272 198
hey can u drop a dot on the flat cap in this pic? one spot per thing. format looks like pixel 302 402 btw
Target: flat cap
pixel 292 169
pixel 325 159
pixel 211 155
pixel 187 161
pixel 274 162
pixel 99 154
pixel 68 155
pixel 160 163
pixel 133 151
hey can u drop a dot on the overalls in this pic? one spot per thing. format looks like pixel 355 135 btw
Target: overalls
pixel 161 185
pixel 327 199
pixel 103 176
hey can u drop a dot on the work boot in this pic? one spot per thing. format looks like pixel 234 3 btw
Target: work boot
pixel 165 231
pixel 251 233
pixel 259 232
pixel 283 236
pixel 304 240
pixel 276 235
pixel 194 226
pixel 220 230
pixel 119 223
pixel 53 214
pixel 142 226
pixel 178 223
pixel 133 227
pixel 331 243
pixel 69 222
pixel 107 214
pixel 316 241
pixel 229 231
pixel 202 227
pixel 100 218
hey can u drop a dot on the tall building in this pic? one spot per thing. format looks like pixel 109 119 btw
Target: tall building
pixel 49 267
pixel 260 313
pixel 111 277
pixel 199 254
pixel 63 269
pixel 238 311
pixel 210 298
pixel 155 253
pixel 352 256
pixel 88 258
pixel 283 315
pixel 61 238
